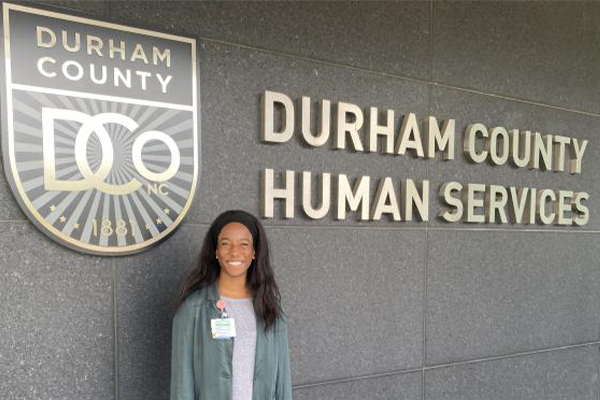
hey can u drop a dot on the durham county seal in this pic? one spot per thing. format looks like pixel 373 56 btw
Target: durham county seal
pixel 100 137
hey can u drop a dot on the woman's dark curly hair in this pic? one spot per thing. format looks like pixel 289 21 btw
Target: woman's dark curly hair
pixel 260 279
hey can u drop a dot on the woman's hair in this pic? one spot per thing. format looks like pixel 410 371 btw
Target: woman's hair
pixel 260 279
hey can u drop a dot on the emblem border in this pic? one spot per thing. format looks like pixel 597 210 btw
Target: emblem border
pixel 8 134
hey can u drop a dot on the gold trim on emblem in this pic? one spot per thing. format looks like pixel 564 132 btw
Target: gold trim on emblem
pixel 56 234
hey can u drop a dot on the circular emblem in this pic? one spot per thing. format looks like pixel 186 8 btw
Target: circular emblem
pixel 101 168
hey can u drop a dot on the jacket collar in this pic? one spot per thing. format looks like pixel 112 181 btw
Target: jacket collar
pixel 212 292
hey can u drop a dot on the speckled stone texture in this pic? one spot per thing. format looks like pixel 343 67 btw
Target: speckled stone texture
pixel 535 50
pixel 391 37
pixel 497 293
pixel 147 287
pixel 406 386
pixel 351 300
pixel 92 7
pixel 563 374
pixel 56 335
pixel 9 208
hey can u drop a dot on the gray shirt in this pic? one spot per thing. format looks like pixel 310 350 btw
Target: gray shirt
pixel 244 347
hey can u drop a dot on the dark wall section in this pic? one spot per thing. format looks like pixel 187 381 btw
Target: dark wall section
pixel 377 310
pixel 57 337
pixel 532 50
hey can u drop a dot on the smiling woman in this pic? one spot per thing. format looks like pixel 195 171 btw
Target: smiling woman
pixel 235 252
pixel 229 332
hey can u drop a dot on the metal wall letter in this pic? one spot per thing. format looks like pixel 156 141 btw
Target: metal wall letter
pixel 324 193
pixel 268 133
pixel 354 198
pixel 444 140
pixel 323 120
pixel 343 126
pixel 270 193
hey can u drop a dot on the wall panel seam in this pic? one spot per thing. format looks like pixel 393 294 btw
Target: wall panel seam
pixel 383 228
pixel 355 378
pixel 426 255
pixel 429 228
pixel 400 77
pixel 434 367
pixel 515 99
pixel 312 59
pixel 431 34
pixel 513 355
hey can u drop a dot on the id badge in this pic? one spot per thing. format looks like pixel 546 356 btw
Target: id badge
pixel 222 328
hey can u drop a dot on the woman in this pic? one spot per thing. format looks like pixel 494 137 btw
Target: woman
pixel 229 333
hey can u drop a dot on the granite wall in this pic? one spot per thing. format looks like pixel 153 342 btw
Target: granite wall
pixel 378 310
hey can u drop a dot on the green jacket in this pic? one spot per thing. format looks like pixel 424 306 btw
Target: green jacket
pixel 201 365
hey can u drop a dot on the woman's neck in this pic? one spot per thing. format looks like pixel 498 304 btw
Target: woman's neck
pixel 232 287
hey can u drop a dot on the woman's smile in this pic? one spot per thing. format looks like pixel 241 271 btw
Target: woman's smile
pixel 235 263
pixel 235 250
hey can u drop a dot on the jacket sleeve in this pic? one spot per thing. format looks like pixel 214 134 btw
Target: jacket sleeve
pixel 283 385
pixel 182 354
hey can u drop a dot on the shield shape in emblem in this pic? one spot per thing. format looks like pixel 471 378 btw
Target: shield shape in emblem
pixel 100 137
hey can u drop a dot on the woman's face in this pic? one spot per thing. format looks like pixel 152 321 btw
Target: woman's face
pixel 235 250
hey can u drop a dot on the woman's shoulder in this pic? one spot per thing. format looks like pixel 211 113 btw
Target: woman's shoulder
pixel 195 300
